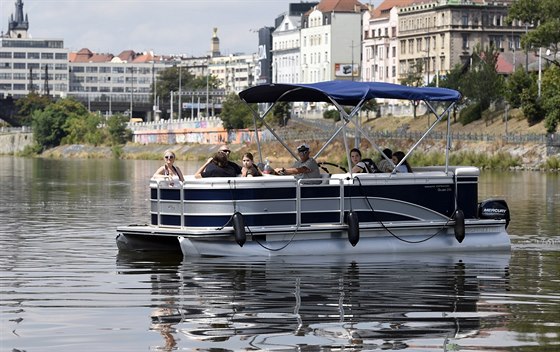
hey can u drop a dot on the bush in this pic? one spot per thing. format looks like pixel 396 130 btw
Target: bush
pixel 470 113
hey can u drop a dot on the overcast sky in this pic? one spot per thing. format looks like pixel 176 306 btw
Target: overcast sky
pixel 164 26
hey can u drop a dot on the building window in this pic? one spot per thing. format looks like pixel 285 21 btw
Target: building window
pixel 465 41
pixel 19 55
pixel 47 56
pixel 61 56
pixel 5 55
pixel 394 51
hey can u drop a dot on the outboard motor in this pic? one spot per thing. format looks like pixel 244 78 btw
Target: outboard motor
pixel 494 209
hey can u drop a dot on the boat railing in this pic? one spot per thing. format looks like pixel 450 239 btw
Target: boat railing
pixel 169 200
pixel 303 201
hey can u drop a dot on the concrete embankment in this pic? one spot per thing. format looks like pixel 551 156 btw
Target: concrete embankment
pixel 12 143
pixel 531 155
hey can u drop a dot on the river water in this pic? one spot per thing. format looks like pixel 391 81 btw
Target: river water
pixel 65 286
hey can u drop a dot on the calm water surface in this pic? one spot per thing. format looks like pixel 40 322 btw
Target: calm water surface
pixel 65 287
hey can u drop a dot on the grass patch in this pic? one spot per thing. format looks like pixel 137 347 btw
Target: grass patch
pixel 498 161
pixel 552 164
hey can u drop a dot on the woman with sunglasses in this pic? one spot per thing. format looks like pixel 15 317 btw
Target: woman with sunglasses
pixel 168 170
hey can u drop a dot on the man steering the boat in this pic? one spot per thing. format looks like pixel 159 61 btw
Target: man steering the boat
pixel 304 168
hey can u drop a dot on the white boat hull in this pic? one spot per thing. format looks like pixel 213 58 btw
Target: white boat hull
pixel 490 236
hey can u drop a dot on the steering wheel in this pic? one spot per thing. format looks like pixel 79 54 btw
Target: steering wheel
pixel 323 165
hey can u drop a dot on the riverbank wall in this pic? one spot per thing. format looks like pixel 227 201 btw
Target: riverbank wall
pixel 13 142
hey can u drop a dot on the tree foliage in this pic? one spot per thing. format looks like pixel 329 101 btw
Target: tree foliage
pixel 49 124
pixel 281 113
pixel 168 81
pixel 82 128
pixel 544 16
pixel 235 113
pixel 67 121
pixel 28 104
pixel 515 84
pixel 117 129
pixel 482 84
pixel 415 75
pixel 551 98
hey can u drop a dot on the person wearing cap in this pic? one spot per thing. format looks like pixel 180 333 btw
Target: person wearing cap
pixel 304 168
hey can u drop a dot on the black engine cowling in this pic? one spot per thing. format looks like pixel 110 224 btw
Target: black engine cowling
pixel 494 209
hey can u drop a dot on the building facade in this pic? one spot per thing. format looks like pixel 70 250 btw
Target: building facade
pixel 331 41
pixel 440 34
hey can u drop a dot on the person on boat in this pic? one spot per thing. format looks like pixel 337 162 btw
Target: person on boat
pixel 359 165
pixel 304 168
pixel 405 167
pixel 216 166
pixel 225 149
pixel 249 168
pixel 169 170
pixel 384 165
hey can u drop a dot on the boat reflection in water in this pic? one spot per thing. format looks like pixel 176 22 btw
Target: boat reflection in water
pixel 384 302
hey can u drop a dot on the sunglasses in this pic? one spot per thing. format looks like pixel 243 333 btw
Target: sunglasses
pixel 169 157
pixel 227 151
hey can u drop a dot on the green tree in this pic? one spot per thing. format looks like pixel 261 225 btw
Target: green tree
pixel 551 98
pixel 518 81
pixel 168 81
pixel 415 75
pixel 117 129
pixel 82 128
pixel 452 80
pixel 235 113
pixel 281 113
pixel 544 15
pixel 415 78
pixel 531 105
pixel 48 124
pixel 28 104
pixel 482 84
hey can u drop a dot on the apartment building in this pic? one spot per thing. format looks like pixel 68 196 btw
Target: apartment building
pixel 380 43
pixel 28 64
pixel 441 34
pixel 286 64
pixel 330 44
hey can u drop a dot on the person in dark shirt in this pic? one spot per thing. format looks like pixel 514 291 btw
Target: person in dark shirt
pixel 217 166
pixel 224 149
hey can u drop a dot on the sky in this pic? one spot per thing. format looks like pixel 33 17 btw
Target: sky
pixel 163 26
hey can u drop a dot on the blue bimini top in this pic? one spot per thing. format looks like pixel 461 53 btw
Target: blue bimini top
pixel 344 92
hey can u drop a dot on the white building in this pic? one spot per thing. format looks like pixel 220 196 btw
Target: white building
pixel 286 40
pixel 28 64
pixel 380 42
pixel 331 41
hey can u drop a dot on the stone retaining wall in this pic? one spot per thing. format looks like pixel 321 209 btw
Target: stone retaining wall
pixel 12 143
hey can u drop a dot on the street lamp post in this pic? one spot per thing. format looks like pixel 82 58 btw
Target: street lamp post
pixel 179 107
pixel 207 83
pixel 540 73
pixel 131 89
